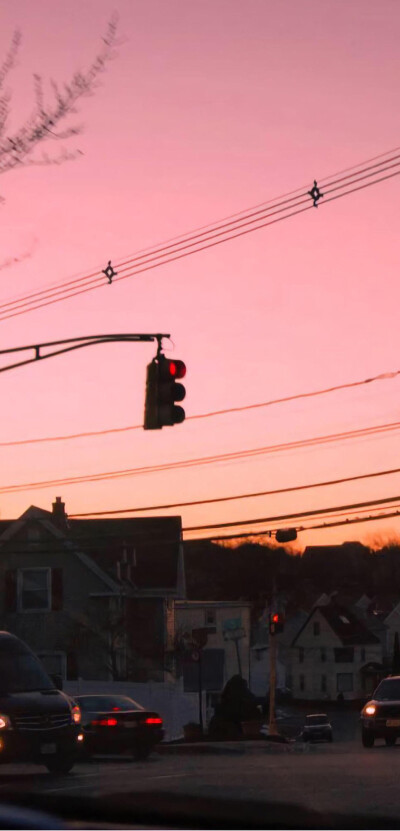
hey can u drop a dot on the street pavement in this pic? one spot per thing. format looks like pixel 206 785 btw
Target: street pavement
pixel 342 777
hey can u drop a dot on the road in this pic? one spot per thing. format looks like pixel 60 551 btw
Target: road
pixel 343 777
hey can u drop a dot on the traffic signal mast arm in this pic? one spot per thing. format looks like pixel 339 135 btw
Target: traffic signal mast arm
pixel 75 343
pixel 162 388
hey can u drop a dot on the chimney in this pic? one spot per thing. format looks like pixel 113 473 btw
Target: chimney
pixel 59 515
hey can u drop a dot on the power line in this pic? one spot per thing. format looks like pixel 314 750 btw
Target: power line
pixel 172 255
pixel 299 514
pixel 275 491
pixel 204 460
pixel 384 376
pixel 322 526
pixel 300 191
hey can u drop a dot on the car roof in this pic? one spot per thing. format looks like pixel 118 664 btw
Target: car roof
pixel 315 715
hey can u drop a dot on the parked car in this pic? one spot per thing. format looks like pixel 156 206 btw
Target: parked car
pixel 317 727
pixel 118 724
pixel 38 723
pixel 380 717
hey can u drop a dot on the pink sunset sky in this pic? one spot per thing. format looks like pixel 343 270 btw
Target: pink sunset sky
pixel 208 108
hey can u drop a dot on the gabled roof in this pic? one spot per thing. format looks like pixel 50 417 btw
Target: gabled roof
pixel 152 546
pixel 344 623
pixel 11 528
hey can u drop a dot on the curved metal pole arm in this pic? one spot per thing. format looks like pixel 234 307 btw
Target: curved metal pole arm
pixel 78 343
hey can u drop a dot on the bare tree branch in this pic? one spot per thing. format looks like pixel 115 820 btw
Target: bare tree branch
pixel 17 149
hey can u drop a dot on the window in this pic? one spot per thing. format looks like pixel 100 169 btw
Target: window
pixel 302 683
pixel 301 655
pixel 344 654
pixel 316 628
pixel 323 683
pixel 362 653
pixel 34 590
pixel 210 617
pixel 344 682
pixel 323 654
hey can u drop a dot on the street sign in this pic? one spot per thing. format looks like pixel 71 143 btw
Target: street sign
pixel 232 623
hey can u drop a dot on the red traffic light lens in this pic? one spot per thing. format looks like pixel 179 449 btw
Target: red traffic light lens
pixel 177 369
pixel 275 618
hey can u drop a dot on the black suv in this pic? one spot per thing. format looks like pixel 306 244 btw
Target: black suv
pixel 38 723
pixel 380 717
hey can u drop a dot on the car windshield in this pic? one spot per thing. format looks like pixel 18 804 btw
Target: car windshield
pixel 313 720
pixel 105 703
pixel 388 690
pixel 22 673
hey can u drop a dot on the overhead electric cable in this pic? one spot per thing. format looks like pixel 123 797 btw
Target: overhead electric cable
pixel 205 460
pixel 300 190
pixel 295 515
pixel 272 492
pixel 172 255
pixel 383 376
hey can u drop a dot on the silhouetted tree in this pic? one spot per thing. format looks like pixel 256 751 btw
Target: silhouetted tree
pixel 18 145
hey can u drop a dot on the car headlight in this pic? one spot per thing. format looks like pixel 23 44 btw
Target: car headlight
pixel 76 714
pixel 369 710
pixel 5 722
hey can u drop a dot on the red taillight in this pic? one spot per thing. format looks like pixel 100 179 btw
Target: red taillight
pixel 116 708
pixel 105 722
pixel 153 720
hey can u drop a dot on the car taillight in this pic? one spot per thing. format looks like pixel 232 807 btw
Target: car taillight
pixel 104 722
pixel 76 714
pixel 153 720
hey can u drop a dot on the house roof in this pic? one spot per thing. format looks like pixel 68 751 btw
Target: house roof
pixel 150 545
pixel 345 624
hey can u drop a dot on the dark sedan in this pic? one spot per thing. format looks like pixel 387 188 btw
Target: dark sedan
pixel 117 724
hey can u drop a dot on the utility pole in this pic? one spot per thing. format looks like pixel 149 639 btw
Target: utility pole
pixel 273 730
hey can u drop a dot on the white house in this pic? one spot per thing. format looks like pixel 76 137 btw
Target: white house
pixel 227 625
pixel 334 654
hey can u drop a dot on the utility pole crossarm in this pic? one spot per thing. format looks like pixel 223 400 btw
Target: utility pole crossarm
pixel 75 343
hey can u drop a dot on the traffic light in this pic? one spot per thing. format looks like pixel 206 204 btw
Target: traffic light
pixel 276 623
pixel 162 391
pixel 286 535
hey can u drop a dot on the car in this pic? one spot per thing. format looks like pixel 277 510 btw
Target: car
pixel 38 722
pixel 118 724
pixel 380 716
pixel 317 727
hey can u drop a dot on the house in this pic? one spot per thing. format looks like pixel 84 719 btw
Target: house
pixel 223 628
pixel 334 654
pixel 260 653
pixel 93 597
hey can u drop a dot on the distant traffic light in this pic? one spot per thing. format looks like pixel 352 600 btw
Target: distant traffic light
pixel 162 391
pixel 276 623
pixel 286 535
